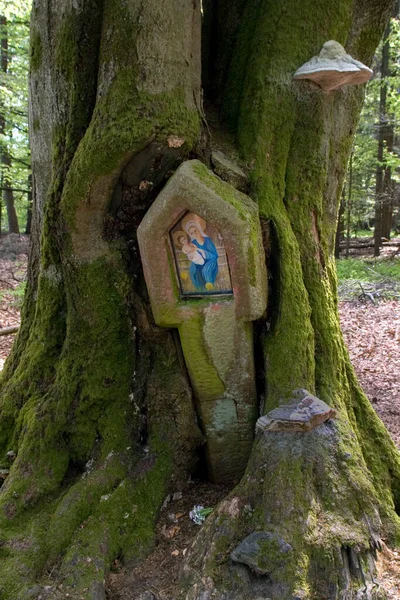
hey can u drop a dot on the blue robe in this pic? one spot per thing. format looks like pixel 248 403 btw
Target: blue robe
pixel 207 273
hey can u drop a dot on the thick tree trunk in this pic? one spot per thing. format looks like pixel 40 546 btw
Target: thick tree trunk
pixel 297 140
pixel 96 402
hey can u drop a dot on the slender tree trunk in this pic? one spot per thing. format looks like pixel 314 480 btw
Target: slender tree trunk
pixel 5 158
pixel 28 226
pixel 340 225
pixel 8 195
pixel 96 402
pixel 349 207
pixel 387 205
pixel 383 186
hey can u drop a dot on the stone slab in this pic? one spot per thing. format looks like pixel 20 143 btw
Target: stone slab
pixel 304 413
pixel 229 171
pixel 215 330
pixel 262 551
pixel 195 188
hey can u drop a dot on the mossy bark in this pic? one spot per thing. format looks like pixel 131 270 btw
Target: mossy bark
pixel 95 400
pixel 331 493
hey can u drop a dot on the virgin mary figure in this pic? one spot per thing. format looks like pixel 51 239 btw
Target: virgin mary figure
pixel 202 276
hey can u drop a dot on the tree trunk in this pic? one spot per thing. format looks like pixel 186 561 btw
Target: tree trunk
pixel 8 194
pixel 340 225
pixel 387 205
pixel 5 158
pixel 28 225
pixel 383 185
pixel 96 401
pixel 349 207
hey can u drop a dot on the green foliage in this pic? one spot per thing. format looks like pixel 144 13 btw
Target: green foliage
pixel 18 294
pixel 361 183
pixel 14 104
pixel 368 270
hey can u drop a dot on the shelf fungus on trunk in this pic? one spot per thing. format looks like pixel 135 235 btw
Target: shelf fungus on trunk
pixel 303 413
pixel 333 68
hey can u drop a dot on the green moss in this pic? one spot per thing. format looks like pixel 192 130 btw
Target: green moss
pixel 117 131
pixel 52 427
pixel 104 513
pixel 203 374
pixel 36 51
pixel 76 57
pixel 34 375
pixel 102 373
pixel 223 189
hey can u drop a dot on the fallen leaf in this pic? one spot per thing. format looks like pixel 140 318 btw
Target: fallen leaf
pixel 175 141
pixel 170 532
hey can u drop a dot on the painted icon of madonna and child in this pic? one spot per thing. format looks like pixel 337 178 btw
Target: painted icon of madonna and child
pixel 200 257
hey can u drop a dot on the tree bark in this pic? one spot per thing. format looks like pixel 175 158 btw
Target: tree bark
pixel 8 194
pixel 28 225
pixel 96 403
pixel 383 186
pixel 5 158
pixel 349 206
pixel 340 225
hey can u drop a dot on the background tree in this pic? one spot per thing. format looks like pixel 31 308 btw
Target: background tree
pixel 96 405
pixel 384 186
pixel 374 173
pixel 14 148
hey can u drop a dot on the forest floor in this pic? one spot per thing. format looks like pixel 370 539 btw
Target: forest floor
pixel 371 327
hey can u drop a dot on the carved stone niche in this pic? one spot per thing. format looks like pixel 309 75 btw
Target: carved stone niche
pixel 204 265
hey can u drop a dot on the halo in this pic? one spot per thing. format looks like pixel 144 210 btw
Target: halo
pixel 176 235
pixel 193 217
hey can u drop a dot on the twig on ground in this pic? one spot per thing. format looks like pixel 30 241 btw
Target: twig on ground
pixel 9 330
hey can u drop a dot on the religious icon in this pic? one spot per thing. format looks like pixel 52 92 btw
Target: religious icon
pixel 200 257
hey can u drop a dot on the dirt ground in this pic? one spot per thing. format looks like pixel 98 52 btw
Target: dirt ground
pixel 372 333
pixel 13 262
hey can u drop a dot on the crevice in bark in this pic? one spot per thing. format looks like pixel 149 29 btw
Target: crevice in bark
pixel 273 263
pixel 138 185
pixel 221 23
pixel 260 331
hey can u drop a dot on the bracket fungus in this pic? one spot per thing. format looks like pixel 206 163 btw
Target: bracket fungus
pixel 333 68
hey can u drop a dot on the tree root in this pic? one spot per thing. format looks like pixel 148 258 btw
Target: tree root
pixel 302 524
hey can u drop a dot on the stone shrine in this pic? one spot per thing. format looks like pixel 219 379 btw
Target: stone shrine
pixel 204 265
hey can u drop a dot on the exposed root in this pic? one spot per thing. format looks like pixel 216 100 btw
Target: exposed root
pixel 305 526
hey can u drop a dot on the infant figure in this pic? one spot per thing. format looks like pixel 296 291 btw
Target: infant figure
pixel 195 255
